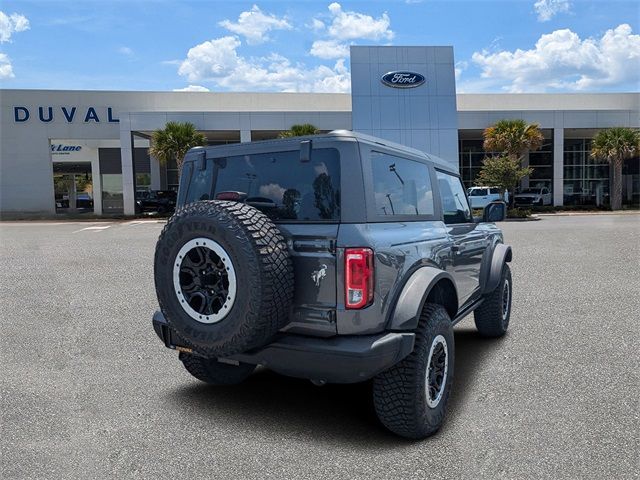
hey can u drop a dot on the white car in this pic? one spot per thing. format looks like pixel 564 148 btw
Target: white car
pixel 533 196
pixel 480 197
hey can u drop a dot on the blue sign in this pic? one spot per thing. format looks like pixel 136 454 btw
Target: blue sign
pixel 69 114
pixel 64 149
pixel 403 79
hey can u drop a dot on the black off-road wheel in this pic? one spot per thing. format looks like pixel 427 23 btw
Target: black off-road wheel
pixel 223 276
pixel 492 317
pixel 411 397
pixel 211 371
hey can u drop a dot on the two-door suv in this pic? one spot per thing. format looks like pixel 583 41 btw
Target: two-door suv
pixel 336 258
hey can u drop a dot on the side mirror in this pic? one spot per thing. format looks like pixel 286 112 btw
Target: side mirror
pixel 495 212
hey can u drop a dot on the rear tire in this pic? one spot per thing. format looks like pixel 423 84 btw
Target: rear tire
pixel 210 371
pixel 492 317
pixel 411 397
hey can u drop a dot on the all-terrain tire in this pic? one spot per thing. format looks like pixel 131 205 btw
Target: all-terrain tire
pixel 263 277
pixel 210 371
pixel 492 316
pixel 401 394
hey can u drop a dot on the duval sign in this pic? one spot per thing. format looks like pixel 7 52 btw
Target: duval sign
pixel 68 114
pixel 402 79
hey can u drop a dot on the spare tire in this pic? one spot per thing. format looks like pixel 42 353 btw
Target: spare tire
pixel 223 276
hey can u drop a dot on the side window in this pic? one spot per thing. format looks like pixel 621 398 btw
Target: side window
pixel 455 207
pixel 495 191
pixel 401 186
pixel 201 182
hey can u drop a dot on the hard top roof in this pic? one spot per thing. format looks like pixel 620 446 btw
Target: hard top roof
pixel 335 134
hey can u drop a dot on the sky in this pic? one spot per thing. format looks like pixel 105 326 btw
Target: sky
pixel 160 45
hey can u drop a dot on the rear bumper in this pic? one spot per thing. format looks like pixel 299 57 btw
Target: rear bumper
pixel 340 359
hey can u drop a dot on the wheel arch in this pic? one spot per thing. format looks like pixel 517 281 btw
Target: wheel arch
pixel 427 284
pixel 501 254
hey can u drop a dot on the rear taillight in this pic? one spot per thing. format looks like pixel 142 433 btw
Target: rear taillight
pixel 358 267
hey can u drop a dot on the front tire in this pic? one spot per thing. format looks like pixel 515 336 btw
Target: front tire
pixel 210 371
pixel 492 317
pixel 411 397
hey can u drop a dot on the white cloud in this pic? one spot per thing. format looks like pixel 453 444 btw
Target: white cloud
pixel 126 51
pixel 346 26
pixel 329 49
pixel 316 25
pixel 353 25
pixel 192 88
pixel 10 24
pixel 6 70
pixel 561 60
pixel 210 59
pixel 547 9
pixel 254 25
pixel 218 61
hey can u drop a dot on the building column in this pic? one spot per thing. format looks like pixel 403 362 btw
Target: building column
pixel 96 181
pixel 245 136
pixel 126 160
pixel 558 167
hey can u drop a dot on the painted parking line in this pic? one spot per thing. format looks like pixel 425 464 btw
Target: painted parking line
pixel 95 228
pixel 134 223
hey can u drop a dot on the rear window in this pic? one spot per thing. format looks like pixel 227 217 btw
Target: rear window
pixel 278 184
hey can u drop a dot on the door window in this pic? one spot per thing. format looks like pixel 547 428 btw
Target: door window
pixel 455 207
pixel 478 192
pixel 401 186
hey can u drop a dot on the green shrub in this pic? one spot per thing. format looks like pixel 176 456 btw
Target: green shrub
pixel 518 213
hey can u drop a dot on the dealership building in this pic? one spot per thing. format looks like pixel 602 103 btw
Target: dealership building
pixel 87 151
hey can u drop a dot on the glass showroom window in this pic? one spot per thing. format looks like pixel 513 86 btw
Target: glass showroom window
pixel 586 181
pixel 112 199
pixel 471 156
pixel 542 163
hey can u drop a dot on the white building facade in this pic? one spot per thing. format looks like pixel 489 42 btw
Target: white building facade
pixel 87 151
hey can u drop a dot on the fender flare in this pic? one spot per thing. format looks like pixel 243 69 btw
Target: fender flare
pixel 501 255
pixel 411 300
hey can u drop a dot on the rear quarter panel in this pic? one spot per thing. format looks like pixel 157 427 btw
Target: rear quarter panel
pixel 400 249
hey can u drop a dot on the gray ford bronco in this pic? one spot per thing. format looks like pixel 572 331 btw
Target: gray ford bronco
pixel 336 258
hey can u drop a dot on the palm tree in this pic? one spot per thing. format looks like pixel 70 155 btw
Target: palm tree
pixel 615 145
pixel 299 131
pixel 513 138
pixel 174 141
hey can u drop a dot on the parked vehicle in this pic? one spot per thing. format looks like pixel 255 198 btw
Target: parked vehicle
pixel 160 201
pixel 336 258
pixel 480 197
pixel 533 196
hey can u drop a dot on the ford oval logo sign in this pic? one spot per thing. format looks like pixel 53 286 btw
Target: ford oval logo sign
pixel 402 79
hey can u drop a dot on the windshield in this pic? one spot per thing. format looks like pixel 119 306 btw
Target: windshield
pixel 278 184
pixel 534 191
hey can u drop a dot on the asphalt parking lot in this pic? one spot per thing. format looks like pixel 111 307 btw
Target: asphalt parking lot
pixel 88 391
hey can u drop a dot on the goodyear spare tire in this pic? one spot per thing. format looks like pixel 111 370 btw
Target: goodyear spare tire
pixel 223 276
